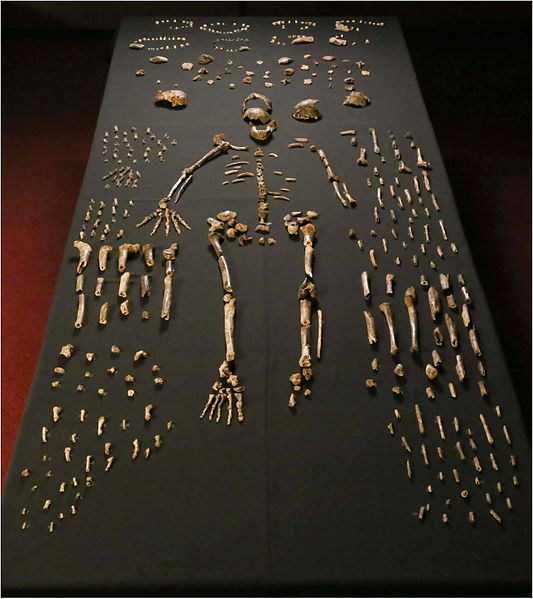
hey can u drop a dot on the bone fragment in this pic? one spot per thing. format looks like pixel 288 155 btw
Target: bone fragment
pixel 103 253
pixel 431 372
pixel 148 253
pixel 370 328
pixel 459 368
pixel 102 317
pixel 229 319
pixel 419 420
pixel 409 301
pixel 452 331
pixel 434 302
pixel 474 342
pixel 374 135
pixel 386 309
pixel 365 284
pixel 438 336
pixel 80 314
pixel 389 282
pixel 488 434
pixel 99 286
pixel 85 252
pixel 167 298
pixel 465 315
pixel 123 285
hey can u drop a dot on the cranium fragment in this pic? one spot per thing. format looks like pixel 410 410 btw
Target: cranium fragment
pixel 357 99
pixel 176 97
pixel 306 110
pixel 256 115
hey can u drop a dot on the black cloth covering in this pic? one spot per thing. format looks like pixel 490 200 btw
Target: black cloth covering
pixel 312 500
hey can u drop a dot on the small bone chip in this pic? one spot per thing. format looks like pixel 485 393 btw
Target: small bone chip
pixel 158 59
pixel 176 97
pixel 205 59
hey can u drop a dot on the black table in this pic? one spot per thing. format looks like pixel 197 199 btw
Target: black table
pixel 315 499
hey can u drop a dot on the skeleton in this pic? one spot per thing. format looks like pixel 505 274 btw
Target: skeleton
pixel 172 217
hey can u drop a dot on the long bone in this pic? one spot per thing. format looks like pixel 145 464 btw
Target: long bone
pixel 221 145
pixel 229 321
pixel 346 199
pixel 385 307
pixel 409 301
pixel 215 239
pixel 306 295
pixel 169 255
pixel 374 135
pixel 308 231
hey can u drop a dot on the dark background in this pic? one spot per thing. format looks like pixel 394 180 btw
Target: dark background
pixel 473 62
